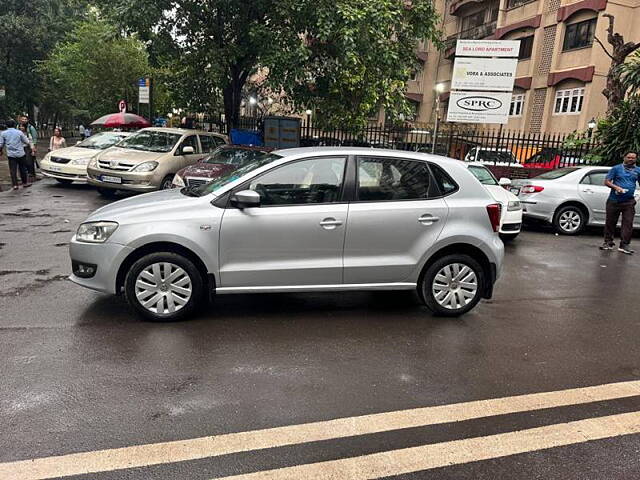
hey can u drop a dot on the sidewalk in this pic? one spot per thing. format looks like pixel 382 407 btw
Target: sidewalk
pixel 43 145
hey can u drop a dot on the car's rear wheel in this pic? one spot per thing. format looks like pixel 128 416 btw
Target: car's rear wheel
pixel 452 285
pixel 569 220
pixel 166 182
pixel 107 192
pixel 164 286
pixel 63 181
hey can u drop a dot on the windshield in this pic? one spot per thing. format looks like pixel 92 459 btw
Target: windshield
pixel 484 175
pixel 259 161
pixel 493 156
pixel 234 156
pixel 101 140
pixel 553 174
pixel 151 141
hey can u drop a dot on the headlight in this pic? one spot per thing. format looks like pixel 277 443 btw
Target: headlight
pixel 80 161
pixel 95 232
pixel 146 167
pixel 178 181
pixel 513 206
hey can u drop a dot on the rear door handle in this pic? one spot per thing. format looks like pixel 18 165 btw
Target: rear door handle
pixel 587 190
pixel 330 223
pixel 428 219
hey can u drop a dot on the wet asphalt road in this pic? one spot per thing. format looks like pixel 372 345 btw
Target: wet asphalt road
pixel 79 372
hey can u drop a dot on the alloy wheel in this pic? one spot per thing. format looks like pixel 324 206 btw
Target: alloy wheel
pixel 163 288
pixel 455 286
pixel 569 221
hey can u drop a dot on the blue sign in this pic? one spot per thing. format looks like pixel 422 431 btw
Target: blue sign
pixel 142 82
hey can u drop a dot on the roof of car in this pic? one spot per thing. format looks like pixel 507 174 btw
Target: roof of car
pixel 259 148
pixel 364 151
pixel 180 131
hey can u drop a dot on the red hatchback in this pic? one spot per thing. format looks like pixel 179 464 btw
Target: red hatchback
pixel 223 160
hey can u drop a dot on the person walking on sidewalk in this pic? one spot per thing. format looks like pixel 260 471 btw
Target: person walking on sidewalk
pixel 14 141
pixel 622 180
pixel 57 141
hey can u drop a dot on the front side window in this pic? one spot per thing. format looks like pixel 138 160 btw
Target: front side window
pixel 569 102
pixel 312 181
pixel 190 141
pixel 517 105
pixel 579 35
pixel 151 141
pixel 383 179
pixel 595 178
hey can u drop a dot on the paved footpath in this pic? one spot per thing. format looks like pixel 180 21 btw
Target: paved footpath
pixel 542 382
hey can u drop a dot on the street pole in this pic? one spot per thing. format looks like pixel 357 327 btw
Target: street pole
pixel 437 125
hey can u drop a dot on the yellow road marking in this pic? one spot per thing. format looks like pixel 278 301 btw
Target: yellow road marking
pixel 415 459
pixel 211 446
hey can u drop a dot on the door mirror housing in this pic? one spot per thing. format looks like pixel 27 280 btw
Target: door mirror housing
pixel 245 199
pixel 504 182
pixel 188 150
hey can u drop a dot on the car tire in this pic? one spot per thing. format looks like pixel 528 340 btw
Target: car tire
pixel 439 281
pixel 166 183
pixel 107 192
pixel 569 220
pixel 147 278
pixel 508 237
pixel 62 181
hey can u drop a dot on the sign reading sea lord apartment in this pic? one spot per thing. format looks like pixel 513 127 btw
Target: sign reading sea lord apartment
pixel 479 107
pixel 487 48
pixel 484 74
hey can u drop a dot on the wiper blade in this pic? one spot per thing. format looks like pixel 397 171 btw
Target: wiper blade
pixel 189 191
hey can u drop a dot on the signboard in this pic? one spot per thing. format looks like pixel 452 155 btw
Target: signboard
pixel 479 107
pixel 122 106
pixel 281 132
pixel 144 85
pixel 484 74
pixel 487 48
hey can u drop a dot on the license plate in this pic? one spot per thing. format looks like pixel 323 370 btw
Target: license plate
pixel 109 179
pixel 55 169
pixel 515 190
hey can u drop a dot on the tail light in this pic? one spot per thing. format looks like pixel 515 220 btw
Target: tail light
pixel 494 211
pixel 531 189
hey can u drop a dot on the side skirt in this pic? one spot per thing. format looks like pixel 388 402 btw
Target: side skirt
pixel 318 288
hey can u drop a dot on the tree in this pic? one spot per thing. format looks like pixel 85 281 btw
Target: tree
pixel 93 68
pixel 619 133
pixel 615 89
pixel 344 57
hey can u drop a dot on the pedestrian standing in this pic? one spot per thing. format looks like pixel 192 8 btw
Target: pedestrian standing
pixel 57 140
pixel 622 180
pixel 32 135
pixel 87 132
pixel 14 140
pixel 81 131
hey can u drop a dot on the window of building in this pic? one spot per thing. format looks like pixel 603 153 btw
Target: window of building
pixel 579 35
pixel 517 105
pixel 569 102
pixel 517 3
pixel 493 13
pixel 526 48
pixel 473 20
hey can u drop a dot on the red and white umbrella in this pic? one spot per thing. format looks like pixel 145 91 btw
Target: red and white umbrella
pixel 121 120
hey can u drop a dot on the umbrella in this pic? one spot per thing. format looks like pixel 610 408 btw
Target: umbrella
pixel 121 120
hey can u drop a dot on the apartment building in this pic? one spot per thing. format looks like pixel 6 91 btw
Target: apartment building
pixel 561 70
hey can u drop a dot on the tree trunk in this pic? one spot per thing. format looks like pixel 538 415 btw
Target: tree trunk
pixel 232 95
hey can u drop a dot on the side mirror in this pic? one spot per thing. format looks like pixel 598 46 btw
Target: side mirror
pixel 78 142
pixel 188 150
pixel 504 182
pixel 245 199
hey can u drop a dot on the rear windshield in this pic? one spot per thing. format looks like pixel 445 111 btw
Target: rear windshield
pixel 553 174
pixel 483 174
pixel 491 156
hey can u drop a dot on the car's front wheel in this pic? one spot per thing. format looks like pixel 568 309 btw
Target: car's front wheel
pixel 164 286
pixel 166 183
pixel 569 220
pixel 452 285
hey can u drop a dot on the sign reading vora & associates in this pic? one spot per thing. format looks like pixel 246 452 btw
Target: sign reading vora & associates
pixel 479 107
pixel 484 74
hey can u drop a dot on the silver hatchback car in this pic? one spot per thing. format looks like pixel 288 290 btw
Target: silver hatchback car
pixel 300 220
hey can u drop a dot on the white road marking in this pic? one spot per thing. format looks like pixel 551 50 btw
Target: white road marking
pixel 211 446
pixel 426 457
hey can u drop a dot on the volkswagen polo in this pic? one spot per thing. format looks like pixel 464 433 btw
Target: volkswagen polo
pixel 300 220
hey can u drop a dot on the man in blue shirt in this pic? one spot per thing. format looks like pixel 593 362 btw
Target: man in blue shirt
pixel 622 180
pixel 16 141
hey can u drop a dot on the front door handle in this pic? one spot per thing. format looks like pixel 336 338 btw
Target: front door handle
pixel 428 219
pixel 330 223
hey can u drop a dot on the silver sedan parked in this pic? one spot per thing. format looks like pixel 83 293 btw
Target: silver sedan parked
pixel 568 198
pixel 300 220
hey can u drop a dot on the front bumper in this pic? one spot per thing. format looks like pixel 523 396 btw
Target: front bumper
pixel 74 173
pixel 106 257
pixel 136 182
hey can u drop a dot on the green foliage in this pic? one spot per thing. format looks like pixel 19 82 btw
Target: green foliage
pixel 620 132
pixel 92 69
pixel 630 74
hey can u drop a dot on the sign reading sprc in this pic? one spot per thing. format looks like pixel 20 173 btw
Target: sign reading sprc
pixel 479 107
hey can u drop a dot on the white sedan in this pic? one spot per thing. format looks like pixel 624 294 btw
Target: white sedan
pixel 511 217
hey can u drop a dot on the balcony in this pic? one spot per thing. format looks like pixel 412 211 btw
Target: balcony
pixel 476 33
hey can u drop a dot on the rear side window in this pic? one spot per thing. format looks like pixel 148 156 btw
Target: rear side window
pixel 387 179
pixel 443 180
pixel 208 143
